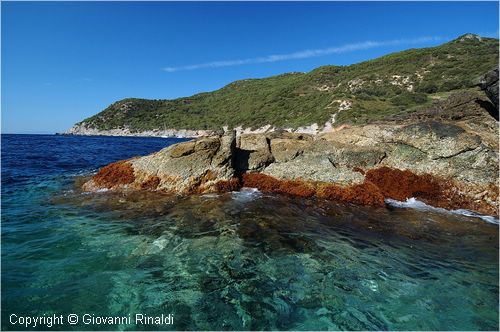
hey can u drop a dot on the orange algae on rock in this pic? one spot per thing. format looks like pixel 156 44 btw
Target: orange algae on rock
pixel 114 174
pixel 400 185
pixel 266 183
pixel 453 197
pixel 379 183
pixel 224 186
pixel 151 183
pixel 365 193
pixel 297 188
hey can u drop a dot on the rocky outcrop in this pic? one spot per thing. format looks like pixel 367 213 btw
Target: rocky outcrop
pixel 450 164
pixel 489 83
pixel 85 129
pixel 203 165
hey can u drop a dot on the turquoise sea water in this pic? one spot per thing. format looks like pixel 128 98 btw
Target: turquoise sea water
pixel 237 261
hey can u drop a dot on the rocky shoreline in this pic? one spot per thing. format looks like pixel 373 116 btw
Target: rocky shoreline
pixel 82 129
pixel 447 157
pixel 449 165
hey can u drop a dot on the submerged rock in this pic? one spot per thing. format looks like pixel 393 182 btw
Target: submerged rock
pixel 451 164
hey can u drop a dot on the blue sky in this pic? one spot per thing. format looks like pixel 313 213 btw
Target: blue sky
pixel 63 62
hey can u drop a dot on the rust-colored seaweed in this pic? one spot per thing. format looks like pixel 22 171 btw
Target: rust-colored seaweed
pixel 379 184
pixel 400 185
pixel 266 183
pixel 114 174
pixel 453 198
pixel 151 183
pixel 225 186
pixel 365 193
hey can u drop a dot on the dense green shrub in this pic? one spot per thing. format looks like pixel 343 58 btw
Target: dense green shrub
pixel 409 99
pixel 427 87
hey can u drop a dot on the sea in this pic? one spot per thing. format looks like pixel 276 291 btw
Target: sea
pixel 236 261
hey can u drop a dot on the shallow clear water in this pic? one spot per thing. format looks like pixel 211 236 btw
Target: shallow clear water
pixel 243 261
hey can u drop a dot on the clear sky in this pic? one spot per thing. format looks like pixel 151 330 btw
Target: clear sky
pixel 63 62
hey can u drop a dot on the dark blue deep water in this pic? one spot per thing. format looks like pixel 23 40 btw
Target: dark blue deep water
pixel 236 261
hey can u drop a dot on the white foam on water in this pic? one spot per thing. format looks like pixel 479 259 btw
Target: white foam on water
pixel 161 242
pixel 246 194
pixel 412 203
pixel 213 195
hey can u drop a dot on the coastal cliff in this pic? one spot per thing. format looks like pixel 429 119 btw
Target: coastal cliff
pixel 446 158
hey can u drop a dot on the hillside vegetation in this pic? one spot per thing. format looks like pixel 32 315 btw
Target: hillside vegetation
pixel 356 94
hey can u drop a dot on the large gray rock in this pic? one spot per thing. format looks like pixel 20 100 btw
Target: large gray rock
pixel 252 152
pixel 194 166
pixel 489 83
pixel 437 139
pixel 287 146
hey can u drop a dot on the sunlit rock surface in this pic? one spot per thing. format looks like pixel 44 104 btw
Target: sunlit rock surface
pixel 447 163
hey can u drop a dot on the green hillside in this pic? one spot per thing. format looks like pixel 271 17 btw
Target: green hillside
pixel 364 92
